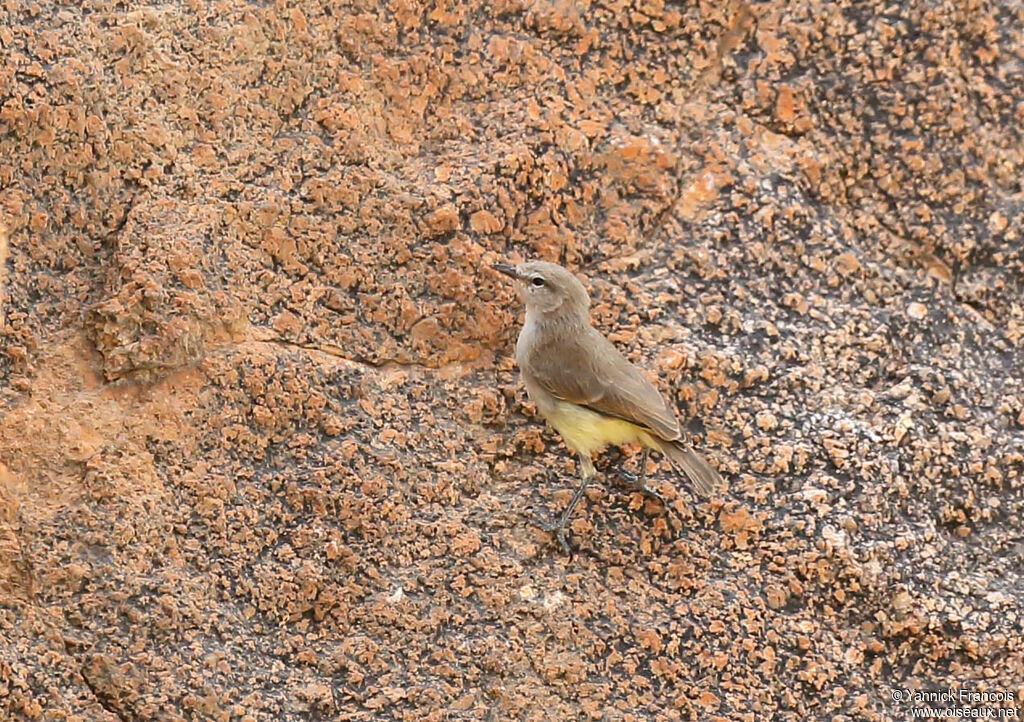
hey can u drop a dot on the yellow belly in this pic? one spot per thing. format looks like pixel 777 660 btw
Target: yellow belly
pixel 586 431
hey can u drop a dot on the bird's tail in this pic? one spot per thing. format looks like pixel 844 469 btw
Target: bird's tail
pixel 706 481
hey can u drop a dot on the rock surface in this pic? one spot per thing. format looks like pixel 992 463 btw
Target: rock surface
pixel 264 453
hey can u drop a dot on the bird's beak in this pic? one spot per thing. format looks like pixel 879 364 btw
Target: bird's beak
pixel 508 270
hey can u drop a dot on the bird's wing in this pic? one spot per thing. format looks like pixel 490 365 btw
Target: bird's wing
pixel 603 380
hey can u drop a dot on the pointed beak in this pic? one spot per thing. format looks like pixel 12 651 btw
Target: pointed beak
pixel 508 270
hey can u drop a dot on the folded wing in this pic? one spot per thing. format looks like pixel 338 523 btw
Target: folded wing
pixel 602 379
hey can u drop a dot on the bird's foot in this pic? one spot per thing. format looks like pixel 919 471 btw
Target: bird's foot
pixel 557 528
pixel 639 483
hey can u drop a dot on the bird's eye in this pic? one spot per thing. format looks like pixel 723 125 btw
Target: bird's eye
pixel 537 281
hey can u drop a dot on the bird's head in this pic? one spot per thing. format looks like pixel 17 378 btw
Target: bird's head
pixel 547 288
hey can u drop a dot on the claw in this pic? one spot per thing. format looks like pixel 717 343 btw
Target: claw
pixel 627 476
pixel 560 535
pixel 638 483
pixel 558 529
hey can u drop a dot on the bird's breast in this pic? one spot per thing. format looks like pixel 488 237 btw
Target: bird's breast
pixel 527 336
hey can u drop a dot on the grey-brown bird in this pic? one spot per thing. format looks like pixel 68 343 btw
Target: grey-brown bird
pixel 587 390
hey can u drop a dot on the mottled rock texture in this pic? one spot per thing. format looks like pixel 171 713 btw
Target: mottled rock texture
pixel 264 453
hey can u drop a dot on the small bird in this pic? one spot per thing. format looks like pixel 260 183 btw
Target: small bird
pixel 587 390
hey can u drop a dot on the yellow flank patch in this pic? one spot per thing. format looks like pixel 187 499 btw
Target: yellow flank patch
pixel 585 431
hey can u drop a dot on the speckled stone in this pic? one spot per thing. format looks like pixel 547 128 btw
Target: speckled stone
pixel 264 452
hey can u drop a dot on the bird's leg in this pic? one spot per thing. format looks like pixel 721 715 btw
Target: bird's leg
pixel 558 527
pixel 638 482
